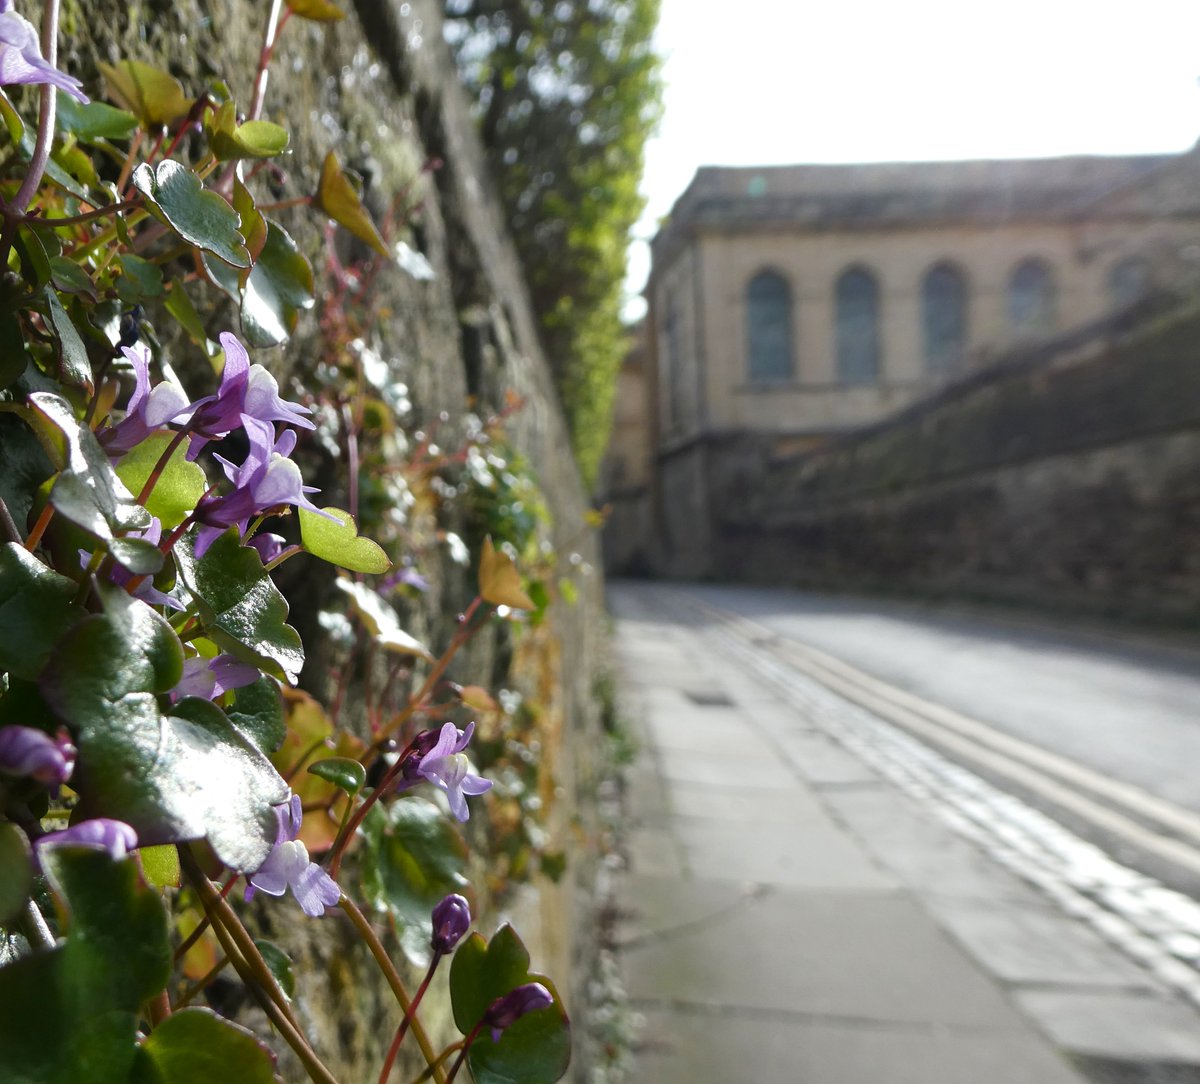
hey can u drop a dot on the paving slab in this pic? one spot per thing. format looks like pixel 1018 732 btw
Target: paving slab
pixel 691 1048
pixel 1117 1026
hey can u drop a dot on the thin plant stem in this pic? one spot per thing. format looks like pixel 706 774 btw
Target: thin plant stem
pixel 33 925
pixel 198 986
pixel 392 976
pixel 8 525
pixel 270 35
pixel 429 1070
pixel 39 528
pixel 99 212
pixel 402 1030
pixel 202 925
pixel 283 555
pixel 47 105
pixel 161 465
pixel 462 1053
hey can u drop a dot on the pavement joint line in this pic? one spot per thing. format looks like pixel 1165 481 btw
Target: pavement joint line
pixel 752 893
pixel 801 1016
pixel 1077 876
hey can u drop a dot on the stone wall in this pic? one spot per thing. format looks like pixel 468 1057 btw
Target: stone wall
pixel 380 88
pixel 1063 477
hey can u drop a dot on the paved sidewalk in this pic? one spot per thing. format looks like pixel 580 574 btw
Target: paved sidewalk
pixel 763 941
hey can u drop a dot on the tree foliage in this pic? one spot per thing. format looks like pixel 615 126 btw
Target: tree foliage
pixel 566 95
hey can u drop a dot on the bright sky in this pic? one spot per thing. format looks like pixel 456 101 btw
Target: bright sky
pixel 760 82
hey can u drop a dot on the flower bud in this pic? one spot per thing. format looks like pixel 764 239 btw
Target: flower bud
pixel 451 920
pixel 26 751
pixel 116 837
pixel 507 1010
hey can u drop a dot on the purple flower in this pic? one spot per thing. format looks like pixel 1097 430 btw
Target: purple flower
pixel 121 576
pixel 507 1010
pixel 148 409
pixel 27 751
pixel 288 866
pixel 446 766
pixel 451 919
pixel 269 545
pixel 264 481
pixel 116 837
pixel 211 678
pixel 21 58
pixel 245 389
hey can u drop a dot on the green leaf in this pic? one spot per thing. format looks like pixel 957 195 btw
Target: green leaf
pixel 70 1013
pixel 257 712
pixel 87 491
pixel 338 542
pixel 92 122
pixel 342 772
pixel 13 355
pixel 160 865
pixel 13 123
pixel 176 196
pixel 254 139
pixel 16 870
pixel 153 96
pixel 139 279
pixel 179 305
pixel 318 10
pixel 195 1046
pixel 534 1050
pixel 180 485
pixel 337 197
pixel 75 366
pixel 254 226
pixel 69 278
pixel 279 288
pixel 37 606
pixel 278 964
pixel 188 775
pixel 140 557
pixel 35 263
pixel 414 857
pixel 239 605
pixel 23 467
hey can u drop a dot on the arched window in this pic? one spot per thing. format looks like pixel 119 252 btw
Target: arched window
pixel 857 300
pixel 1128 281
pixel 769 327
pixel 1031 300
pixel 944 317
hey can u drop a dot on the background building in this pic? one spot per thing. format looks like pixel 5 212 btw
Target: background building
pixel 791 304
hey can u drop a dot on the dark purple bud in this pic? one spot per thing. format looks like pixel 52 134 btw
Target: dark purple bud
pixel 27 751
pixel 451 920
pixel 116 837
pixel 507 1010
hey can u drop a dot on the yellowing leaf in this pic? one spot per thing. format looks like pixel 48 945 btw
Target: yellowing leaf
pixel 478 698
pixel 152 95
pixel 160 865
pixel 499 580
pixel 321 11
pixel 338 199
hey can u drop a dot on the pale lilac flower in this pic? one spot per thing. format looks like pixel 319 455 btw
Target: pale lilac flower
pixel 268 545
pixel 211 678
pixel 446 766
pixel 245 389
pixel 149 409
pixel 21 59
pixel 507 1010
pixel 116 837
pixel 121 576
pixel 451 920
pixel 288 866
pixel 29 752
pixel 266 480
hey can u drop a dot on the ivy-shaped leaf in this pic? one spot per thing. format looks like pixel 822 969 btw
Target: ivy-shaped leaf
pixel 499 580
pixel 179 305
pixel 229 140
pixel 279 288
pixel 155 97
pixel 73 358
pixel 139 279
pixel 344 773
pixel 187 775
pixel 381 621
pixel 176 196
pixel 87 491
pixel 254 226
pixel 93 122
pixel 239 605
pixel 69 278
pixel 337 197
pixel 195 1046
pixel 338 542
pixel 534 1050
pixel 257 711
pixel 180 485
pixel 84 1012
pixel 414 857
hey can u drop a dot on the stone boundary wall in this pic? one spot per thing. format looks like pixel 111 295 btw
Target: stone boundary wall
pixel 1067 477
